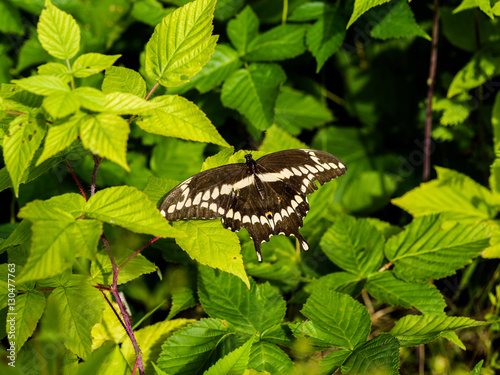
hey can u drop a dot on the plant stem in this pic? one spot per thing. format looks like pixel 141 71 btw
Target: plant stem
pixel 137 252
pixel 75 178
pixel 97 162
pixel 430 92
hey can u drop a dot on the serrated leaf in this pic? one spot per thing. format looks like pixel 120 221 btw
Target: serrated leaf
pixel 354 245
pixel 61 136
pixel 279 43
pixel 131 209
pixel 343 282
pixel 101 270
pixel 104 361
pixel 454 112
pixel 55 69
pixel 280 334
pixel 20 235
pixel 123 103
pixel 295 110
pixel 225 297
pixel 397 21
pixel 150 340
pixel 92 63
pixel 243 29
pixel 43 85
pixel 413 330
pixel 177 117
pixel 325 37
pixel 385 287
pixel 453 194
pixel 181 44
pixel 19 146
pixel 253 92
pixel 188 350
pixel 28 309
pixel 343 320
pixel 276 139
pixel 362 6
pixel 234 363
pixel 267 357
pixel 223 63
pixel 210 244
pixel 150 12
pixel 332 362
pixel 61 104
pixel 109 328
pixel 117 78
pixel 78 306
pixel 426 250
pixel 156 188
pixel 484 5
pixel 379 355
pixel 182 298
pixel 58 32
pixel 106 135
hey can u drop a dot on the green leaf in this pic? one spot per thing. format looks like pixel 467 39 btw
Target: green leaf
pixel 19 236
pixel 454 111
pixel 295 110
pixel 332 362
pixel 210 244
pixel 477 369
pixel 58 236
pixel 131 209
pixel 19 146
pixel 414 330
pixel 182 298
pixel 92 63
pixel 156 188
pixel 10 19
pixel 28 309
pixel 379 355
pixel 78 306
pixel 343 282
pixel 234 363
pixel 225 297
pixel 177 117
pixel 483 5
pixel 362 6
pixel 325 37
pixel 181 44
pixel 253 92
pixel 61 136
pixel 104 360
pixel 123 103
pixel 55 69
pixel 481 68
pixel 343 320
pixel 43 85
pixel 354 245
pixel 58 32
pixel 61 104
pixel 243 29
pixel 453 194
pixel 309 11
pixel 269 357
pixel 117 78
pixel 279 43
pixel 91 98
pixel 224 62
pixel 280 334
pixel 101 269
pixel 150 12
pixel 277 139
pixel 150 340
pixel 385 287
pixel 396 21
pixel 106 135
pixel 427 249
pixel 188 351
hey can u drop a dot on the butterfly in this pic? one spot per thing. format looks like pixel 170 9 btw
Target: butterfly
pixel 266 196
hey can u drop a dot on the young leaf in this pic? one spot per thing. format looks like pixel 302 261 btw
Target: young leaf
pixel 209 243
pixel 426 250
pixel 225 297
pixel 181 44
pixel 117 78
pixel 279 43
pixel 484 5
pixel 414 330
pixel 243 29
pixel 269 357
pixel 43 85
pixel 362 6
pixel 325 37
pixel 453 194
pixel 19 146
pixel 385 287
pixel 253 92
pixel 131 209
pixel 182 298
pixel 354 245
pixel 189 350
pixel 28 309
pixel 58 32
pixel 91 98
pixel 61 104
pixel 276 139
pixel 55 69
pixel 123 103
pixel 77 306
pixel 344 321
pixel 106 135
pixel 92 63
pixel 177 117
pixel 234 363
pixel 380 355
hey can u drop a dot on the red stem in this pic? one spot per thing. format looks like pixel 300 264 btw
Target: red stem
pixel 75 178
pixel 97 162
pixel 137 252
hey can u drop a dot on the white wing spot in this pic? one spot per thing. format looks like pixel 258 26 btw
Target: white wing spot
pixel 221 211
pixel 286 173
pixel 315 159
pixel 215 193
pixel 296 172
pixel 204 204
pixel 294 205
pixel 230 213
pixel 303 188
pixel 311 168
pixel 303 170
pixel 171 209
pixel 213 207
pixel 311 177
pixel 341 165
pixel 277 217
pixel 299 199
pixel 320 168
pixel 290 210
pixel 305 246
pixel 246 219
pixel 255 219
pixel 237 216
pixel 197 199
pixel 284 213
pixel 163 213
pixel 206 196
pixel 247 181
pixel 188 203
pixel 263 220
pixel 333 165
pixel 226 189
pixel 326 166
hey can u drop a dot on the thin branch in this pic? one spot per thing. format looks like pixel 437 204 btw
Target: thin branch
pixel 152 90
pixel 136 253
pixel 97 162
pixel 430 92
pixel 285 12
pixel 75 178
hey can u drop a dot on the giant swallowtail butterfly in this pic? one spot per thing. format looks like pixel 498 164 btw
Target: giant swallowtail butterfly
pixel 266 196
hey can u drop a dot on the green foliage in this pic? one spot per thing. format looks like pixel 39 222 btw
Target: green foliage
pixel 106 105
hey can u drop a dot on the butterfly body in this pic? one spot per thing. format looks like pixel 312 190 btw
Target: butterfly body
pixel 266 196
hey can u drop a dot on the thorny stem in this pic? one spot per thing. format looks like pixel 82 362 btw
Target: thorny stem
pixel 430 92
